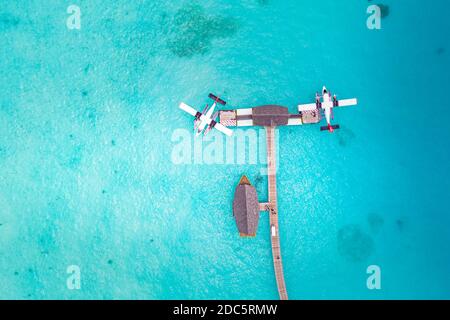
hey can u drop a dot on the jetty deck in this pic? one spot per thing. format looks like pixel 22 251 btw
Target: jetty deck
pixel 269 117
pixel 273 212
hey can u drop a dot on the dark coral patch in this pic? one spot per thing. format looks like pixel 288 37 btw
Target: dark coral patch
pixel 8 21
pixel 354 244
pixel 194 30
pixel 400 223
pixel 87 68
pixel 440 51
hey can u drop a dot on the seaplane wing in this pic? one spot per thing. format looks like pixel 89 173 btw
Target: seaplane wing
pixel 204 119
pixel 307 107
pixel 346 102
pixel 188 109
pixel 223 129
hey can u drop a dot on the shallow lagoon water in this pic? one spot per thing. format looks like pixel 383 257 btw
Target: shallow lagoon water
pixel 87 175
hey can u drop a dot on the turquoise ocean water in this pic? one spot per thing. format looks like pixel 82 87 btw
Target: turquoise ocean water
pixel 88 177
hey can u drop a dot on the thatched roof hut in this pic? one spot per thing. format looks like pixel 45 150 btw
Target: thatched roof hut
pixel 246 208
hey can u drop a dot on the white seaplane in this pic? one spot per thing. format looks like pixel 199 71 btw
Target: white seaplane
pixel 207 118
pixel 327 104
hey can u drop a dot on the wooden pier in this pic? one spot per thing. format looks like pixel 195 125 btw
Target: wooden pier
pixel 273 212
pixel 246 208
pixel 269 117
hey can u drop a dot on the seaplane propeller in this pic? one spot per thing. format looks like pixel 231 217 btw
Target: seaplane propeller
pixel 326 103
pixel 205 121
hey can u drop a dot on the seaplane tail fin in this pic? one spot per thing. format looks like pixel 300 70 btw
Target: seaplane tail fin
pixel 330 128
pixel 217 99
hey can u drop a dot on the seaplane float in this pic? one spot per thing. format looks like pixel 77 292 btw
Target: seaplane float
pixel 326 103
pixel 206 120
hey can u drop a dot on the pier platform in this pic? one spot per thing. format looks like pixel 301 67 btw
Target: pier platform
pixel 270 115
